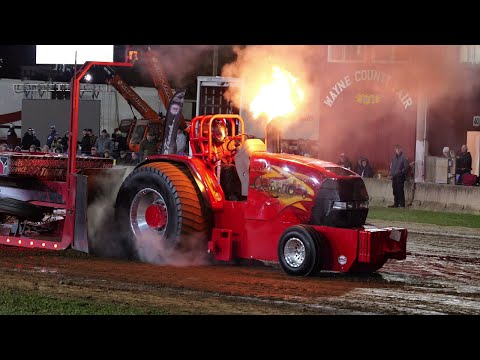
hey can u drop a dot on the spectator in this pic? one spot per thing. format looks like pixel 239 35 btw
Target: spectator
pixel 4 147
pixel 45 148
pixel 119 142
pixel 345 161
pixel 12 137
pixel 123 158
pixel 56 143
pixel 463 164
pixel 51 136
pixel 64 141
pixel 94 152
pixel 364 169
pixel 148 146
pixel 398 173
pixel 135 160
pixel 104 143
pixel 32 148
pixel 27 139
pixel 107 155
pixel 35 140
pixel 85 143
pixel 181 142
pixel 93 138
pixel 358 167
pixel 446 152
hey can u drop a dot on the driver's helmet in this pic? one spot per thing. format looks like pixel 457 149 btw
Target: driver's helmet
pixel 219 131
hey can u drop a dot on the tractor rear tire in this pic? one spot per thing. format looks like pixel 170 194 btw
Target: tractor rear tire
pixel 21 209
pixel 299 251
pixel 185 234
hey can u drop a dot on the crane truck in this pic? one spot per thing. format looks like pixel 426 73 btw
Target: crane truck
pixel 305 214
pixel 136 130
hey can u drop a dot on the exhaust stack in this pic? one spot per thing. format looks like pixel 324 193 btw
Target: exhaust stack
pixel 273 136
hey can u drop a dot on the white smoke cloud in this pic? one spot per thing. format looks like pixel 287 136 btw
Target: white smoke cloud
pixel 103 233
pixel 107 239
pixel 179 61
pixel 153 249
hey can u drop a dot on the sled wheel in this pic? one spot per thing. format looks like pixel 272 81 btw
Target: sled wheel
pixel 299 251
pixel 21 209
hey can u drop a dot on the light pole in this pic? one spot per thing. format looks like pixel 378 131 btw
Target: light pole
pixel 215 60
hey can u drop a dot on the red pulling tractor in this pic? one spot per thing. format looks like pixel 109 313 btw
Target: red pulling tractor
pixel 306 214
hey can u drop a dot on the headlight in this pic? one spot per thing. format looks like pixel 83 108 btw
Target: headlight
pixel 349 205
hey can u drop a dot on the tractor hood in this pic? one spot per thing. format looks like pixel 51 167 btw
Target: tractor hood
pixel 330 194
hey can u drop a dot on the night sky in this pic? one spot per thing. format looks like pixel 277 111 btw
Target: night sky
pixel 18 54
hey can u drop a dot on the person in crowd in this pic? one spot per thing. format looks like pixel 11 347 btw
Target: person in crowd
pixel 364 169
pixel 51 135
pixel 27 139
pixel 93 137
pixel 35 140
pixel 32 148
pixel 56 143
pixel 148 146
pixel 123 158
pixel 446 152
pixel 45 148
pixel 463 164
pixel 398 173
pixel 134 159
pixel 94 152
pixel 12 137
pixel 358 166
pixel 104 143
pixel 119 142
pixel 64 141
pixel 4 147
pixel 107 155
pixel 85 143
pixel 345 161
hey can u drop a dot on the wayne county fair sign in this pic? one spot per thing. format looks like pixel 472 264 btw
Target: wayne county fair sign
pixel 367 75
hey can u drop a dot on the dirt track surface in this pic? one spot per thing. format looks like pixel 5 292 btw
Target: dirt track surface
pixel 441 275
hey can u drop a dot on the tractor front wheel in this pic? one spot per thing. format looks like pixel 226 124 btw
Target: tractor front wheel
pixel 299 251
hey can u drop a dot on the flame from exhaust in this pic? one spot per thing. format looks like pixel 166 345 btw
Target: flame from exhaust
pixel 279 97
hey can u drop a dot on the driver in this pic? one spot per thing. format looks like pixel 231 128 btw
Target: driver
pixel 224 148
